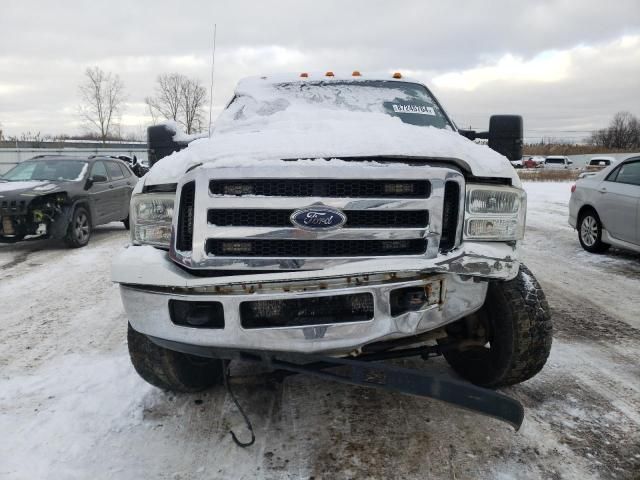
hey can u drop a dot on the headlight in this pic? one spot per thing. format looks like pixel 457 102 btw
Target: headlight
pixel 151 216
pixel 494 213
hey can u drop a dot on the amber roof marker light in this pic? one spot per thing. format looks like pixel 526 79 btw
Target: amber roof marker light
pixel 329 74
pixel 397 75
pixel 304 75
pixel 356 73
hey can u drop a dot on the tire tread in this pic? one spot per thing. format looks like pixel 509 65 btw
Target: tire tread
pixel 522 335
pixel 169 370
pixel 533 328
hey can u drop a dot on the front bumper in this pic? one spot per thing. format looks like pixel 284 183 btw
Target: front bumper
pixel 149 280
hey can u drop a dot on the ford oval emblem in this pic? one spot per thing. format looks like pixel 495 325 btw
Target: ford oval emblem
pixel 318 218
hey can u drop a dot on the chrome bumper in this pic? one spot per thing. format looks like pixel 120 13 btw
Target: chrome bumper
pixel 148 313
pixel 149 280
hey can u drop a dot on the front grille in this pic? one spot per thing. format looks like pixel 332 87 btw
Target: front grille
pixel 13 207
pixel 244 218
pixel 450 212
pixel 314 248
pixel 355 218
pixel 278 187
pixel 299 312
pixel 184 238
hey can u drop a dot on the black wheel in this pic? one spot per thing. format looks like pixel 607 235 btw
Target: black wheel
pixel 508 340
pixel 590 232
pixel 125 222
pixel 169 370
pixel 79 230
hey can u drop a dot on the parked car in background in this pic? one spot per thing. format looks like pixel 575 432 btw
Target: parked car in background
pixel 134 164
pixel 557 161
pixel 533 162
pixel 63 197
pixel 599 163
pixel 516 163
pixel 605 208
pixel 595 165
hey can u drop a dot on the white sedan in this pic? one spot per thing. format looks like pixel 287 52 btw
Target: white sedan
pixel 605 208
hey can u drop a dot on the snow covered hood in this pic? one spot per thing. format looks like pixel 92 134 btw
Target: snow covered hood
pixel 267 128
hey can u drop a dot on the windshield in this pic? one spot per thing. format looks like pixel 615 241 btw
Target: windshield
pixel 555 160
pixel 52 170
pixel 410 102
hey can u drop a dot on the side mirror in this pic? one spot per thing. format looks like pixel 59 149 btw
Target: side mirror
pixel 505 135
pixel 95 179
pixel 160 142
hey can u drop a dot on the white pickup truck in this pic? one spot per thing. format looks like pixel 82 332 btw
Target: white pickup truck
pixel 332 215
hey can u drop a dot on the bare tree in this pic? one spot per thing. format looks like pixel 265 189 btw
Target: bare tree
pixel 178 98
pixel 166 103
pixel 102 95
pixel 622 133
pixel 194 97
pixel 153 113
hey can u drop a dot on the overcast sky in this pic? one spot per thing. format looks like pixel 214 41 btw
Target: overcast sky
pixel 566 66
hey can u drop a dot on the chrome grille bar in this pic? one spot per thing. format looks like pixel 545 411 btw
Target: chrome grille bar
pixel 200 257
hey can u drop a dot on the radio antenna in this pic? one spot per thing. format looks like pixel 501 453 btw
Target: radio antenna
pixel 213 64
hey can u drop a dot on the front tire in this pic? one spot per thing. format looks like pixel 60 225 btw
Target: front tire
pixel 170 370
pixel 125 222
pixel 512 333
pixel 79 229
pixel 590 232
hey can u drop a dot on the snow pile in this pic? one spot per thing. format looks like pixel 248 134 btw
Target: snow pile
pixel 266 123
pixel 548 202
pixel 51 420
pixel 178 134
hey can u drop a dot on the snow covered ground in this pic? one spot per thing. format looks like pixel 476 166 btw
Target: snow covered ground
pixel 71 405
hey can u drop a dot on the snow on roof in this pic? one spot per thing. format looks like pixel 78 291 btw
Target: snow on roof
pixel 270 126
pixel 249 82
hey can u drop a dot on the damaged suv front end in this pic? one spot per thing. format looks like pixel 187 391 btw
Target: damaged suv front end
pixel 39 207
pixel 37 218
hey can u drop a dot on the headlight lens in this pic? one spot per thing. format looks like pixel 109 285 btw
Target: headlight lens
pixel 492 201
pixel 494 213
pixel 151 216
